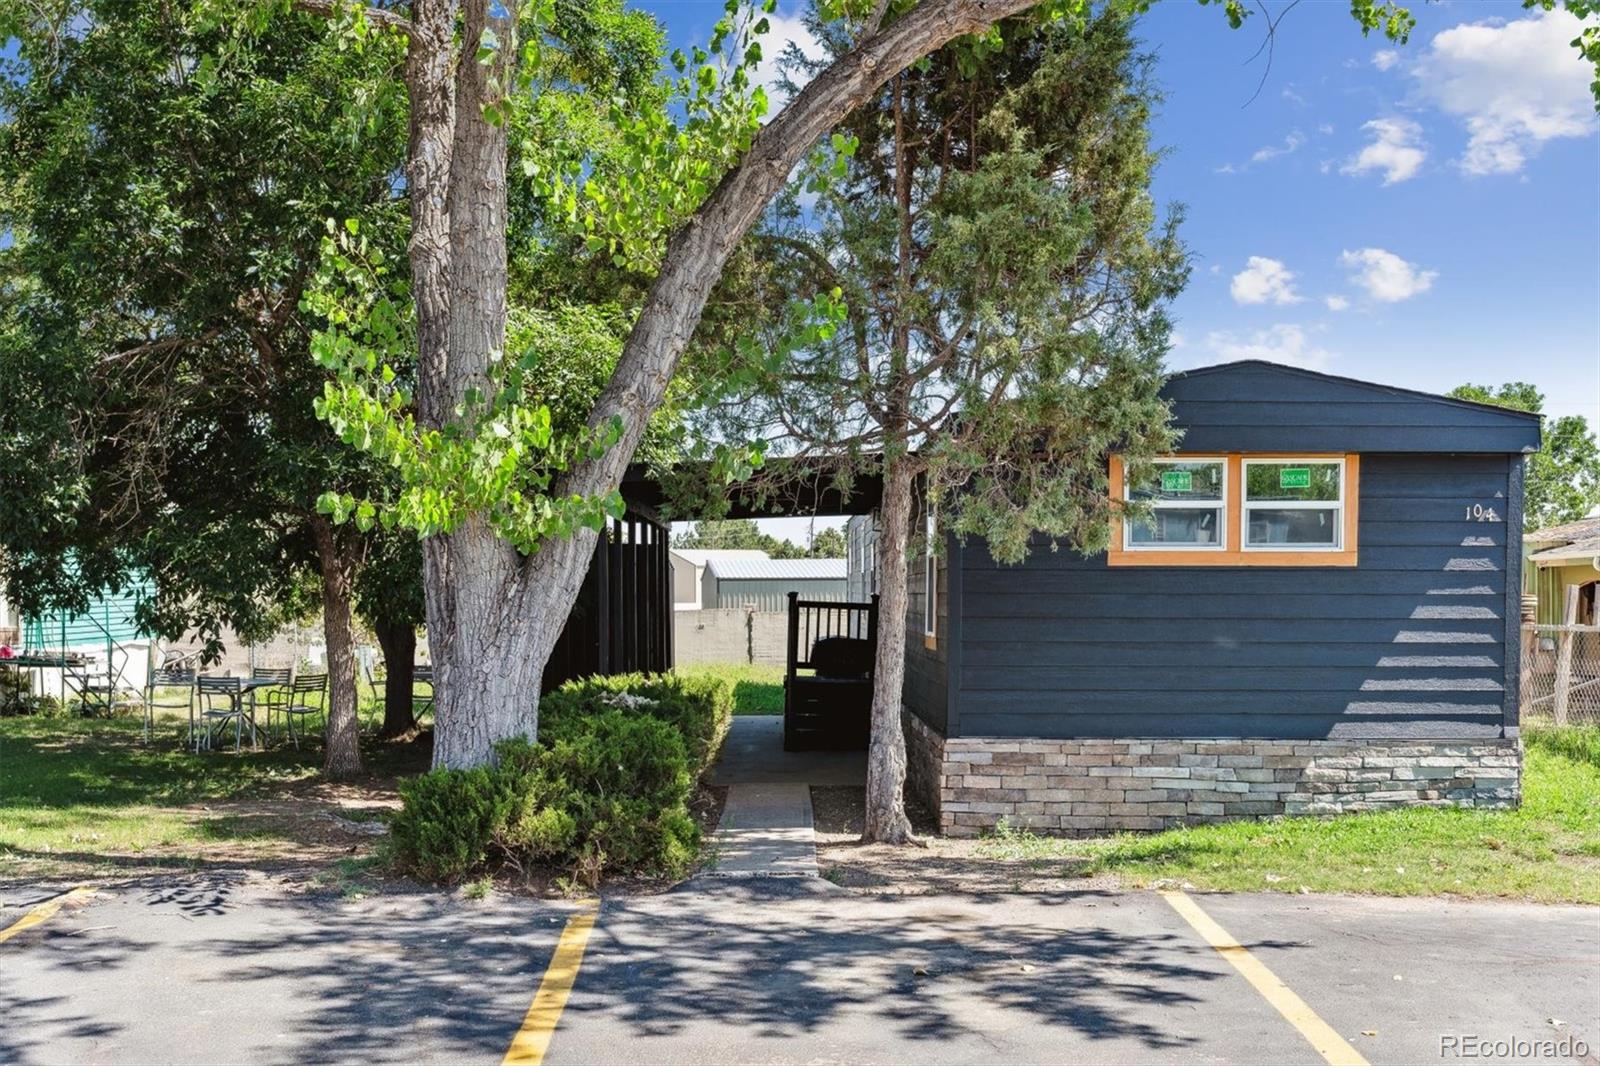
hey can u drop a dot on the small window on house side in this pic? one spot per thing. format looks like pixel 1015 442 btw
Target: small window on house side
pixel 1188 498
pixel 1293 504
pixel 930 574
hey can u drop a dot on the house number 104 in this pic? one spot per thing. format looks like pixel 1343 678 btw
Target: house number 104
pixel 1479 513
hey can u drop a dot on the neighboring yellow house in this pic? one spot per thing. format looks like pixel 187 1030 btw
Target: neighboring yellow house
pixel 1564 556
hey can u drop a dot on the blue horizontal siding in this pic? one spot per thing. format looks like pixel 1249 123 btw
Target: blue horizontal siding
pixel 982 654
pixel 1396 726
pixel 1410 642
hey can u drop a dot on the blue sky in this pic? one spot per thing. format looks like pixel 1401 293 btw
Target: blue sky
pixel 1423 215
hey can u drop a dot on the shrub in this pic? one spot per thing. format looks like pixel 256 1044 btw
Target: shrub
pixel 606 789
pixel 608 793
pixel 699 707
pixel 449 820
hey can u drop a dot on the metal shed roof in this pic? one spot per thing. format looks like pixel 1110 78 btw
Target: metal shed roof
pixel 777 569
pixel 702 556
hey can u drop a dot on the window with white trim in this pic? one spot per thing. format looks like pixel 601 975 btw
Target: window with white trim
pixel 930 573
pixel 1189 506
pixel 1293 504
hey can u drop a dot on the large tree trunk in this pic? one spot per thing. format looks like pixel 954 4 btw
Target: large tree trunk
pixel 490 626
pixel 342 743
pixel 399 644
pixel 494 616
pixel 886 820
pixel 507 614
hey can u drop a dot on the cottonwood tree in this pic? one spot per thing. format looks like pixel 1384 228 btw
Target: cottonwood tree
pixel 995 278
pixel 1563 483
pixel 510 511
pixel 156 385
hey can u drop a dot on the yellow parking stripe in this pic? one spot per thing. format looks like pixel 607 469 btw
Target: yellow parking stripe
pixel 43 912
pixel 1329 1044
pixel 528 1047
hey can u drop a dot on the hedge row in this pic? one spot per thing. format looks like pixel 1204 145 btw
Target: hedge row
pixel 606 790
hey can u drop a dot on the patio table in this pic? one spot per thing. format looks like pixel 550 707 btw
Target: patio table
pixel 236 695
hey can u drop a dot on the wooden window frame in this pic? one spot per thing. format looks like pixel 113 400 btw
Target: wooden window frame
pixel 1235 554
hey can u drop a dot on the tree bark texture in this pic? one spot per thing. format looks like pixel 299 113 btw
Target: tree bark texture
pixel 493 615
pixel 886 820
pixel 342 741
pixel 398 641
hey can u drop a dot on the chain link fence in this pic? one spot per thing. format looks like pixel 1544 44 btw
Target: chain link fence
pixel 1561 674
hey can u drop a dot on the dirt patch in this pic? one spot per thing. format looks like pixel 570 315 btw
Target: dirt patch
pixel 933 864
pixel 705 806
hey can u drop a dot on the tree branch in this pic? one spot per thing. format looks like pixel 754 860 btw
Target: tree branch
pixel 376 15
pixel 700 249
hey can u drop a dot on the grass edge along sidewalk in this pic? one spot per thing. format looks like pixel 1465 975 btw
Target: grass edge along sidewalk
pixel 1547 851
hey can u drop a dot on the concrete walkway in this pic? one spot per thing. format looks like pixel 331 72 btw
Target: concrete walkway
pixel 766 828
pixel 765 831
pixel 753 754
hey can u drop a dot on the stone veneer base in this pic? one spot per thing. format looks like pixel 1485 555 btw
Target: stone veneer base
pixel 1094 786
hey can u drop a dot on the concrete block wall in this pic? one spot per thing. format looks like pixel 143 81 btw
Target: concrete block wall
pixel 1098 786
pixel 730 635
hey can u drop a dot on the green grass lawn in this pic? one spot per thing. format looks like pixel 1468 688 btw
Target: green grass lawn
pixel 84 796
pixel 756 689
pixel 1548 850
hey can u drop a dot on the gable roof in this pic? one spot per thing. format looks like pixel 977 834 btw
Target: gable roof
pixel 1374 386
pixel 1582 529
pixel 1254 405
pixel 702 556
pixel 1578 549
pixel 777 569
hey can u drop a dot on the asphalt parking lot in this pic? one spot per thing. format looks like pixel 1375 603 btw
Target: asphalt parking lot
pixel 238 968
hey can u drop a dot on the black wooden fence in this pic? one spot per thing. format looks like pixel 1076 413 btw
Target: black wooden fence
pixel 622 620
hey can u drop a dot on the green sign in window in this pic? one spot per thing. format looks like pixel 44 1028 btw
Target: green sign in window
pixel 1177 481
pixel 1294 477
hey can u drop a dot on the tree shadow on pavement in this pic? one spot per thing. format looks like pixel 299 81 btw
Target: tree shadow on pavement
pixel 428 975
pixel 791 959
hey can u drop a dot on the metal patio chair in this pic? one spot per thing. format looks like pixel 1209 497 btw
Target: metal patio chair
pixel 229 691
pixel 159 695
pixel 275 695
pixel 307 695
pixel 421 705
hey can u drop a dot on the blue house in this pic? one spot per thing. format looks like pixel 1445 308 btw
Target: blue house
pixel 1321 616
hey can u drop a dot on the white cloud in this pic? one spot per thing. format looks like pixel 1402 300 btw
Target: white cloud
pixel 1290 143
pixel 1337 302
pixel 1176 340
pixel 1396 149
pixel 782 31
pixel 1287 344
pixel 1514 85
pixel 1263 281
pixel 1326 129
pixel 1385 59
pixel 1385 276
